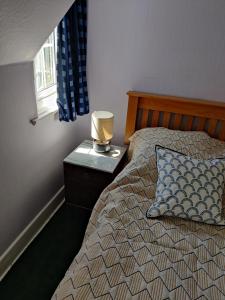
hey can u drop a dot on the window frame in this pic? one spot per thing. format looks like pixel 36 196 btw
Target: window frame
pixel 46 97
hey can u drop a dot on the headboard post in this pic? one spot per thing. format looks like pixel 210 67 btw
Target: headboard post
pixel 131 116
pixel 222 132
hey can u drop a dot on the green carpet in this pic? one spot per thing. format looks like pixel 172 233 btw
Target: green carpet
pixel 39 270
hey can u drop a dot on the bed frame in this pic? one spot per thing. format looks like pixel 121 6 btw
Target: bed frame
pixel 151 110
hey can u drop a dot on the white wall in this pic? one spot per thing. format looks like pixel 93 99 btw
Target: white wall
pixel 31 168
pixel 31 157
pixel 25 25
pixel 174 47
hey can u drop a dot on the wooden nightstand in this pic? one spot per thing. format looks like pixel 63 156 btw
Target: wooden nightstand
pixel 87 173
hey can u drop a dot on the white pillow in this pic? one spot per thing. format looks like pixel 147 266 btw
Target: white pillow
pixel 188 188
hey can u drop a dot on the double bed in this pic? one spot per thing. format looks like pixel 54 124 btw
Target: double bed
pixel 126 255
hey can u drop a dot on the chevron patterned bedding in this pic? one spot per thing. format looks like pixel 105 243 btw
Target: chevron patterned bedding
pixel 124 255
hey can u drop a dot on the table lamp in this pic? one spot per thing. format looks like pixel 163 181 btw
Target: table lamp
pixel 102 130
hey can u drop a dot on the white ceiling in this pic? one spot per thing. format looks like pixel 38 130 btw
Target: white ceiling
pixel 25 25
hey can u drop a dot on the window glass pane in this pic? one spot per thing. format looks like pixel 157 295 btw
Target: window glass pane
pixel 45 65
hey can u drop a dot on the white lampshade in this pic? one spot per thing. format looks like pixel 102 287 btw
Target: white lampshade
pixel 102 125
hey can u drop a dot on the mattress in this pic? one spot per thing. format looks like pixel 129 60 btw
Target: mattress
pixel 124 255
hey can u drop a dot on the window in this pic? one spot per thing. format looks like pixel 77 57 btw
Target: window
pixel 45 76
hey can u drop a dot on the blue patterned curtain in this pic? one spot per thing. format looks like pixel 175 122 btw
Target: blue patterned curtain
pixel 71 63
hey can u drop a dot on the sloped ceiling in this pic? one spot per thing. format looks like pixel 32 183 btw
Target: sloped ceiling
pixel 25 25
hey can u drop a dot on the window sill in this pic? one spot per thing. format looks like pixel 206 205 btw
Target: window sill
pixel 45 107
pixel 43 115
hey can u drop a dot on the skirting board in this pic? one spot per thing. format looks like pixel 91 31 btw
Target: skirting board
pixel 10 256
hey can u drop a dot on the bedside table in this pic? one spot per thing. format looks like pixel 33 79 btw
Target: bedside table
pixel 87 173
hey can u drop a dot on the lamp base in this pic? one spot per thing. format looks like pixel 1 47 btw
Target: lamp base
pixel 101 147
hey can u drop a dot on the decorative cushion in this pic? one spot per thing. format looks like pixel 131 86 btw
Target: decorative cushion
pixel 188 188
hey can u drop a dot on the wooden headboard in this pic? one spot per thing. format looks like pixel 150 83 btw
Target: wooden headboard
pixel 151 110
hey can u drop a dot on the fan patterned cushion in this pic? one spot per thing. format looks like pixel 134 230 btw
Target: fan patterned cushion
pixel 188 188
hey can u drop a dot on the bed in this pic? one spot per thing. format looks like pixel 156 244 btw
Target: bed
pixel 125 255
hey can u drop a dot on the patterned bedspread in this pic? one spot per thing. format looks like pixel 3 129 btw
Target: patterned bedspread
pixel 127 256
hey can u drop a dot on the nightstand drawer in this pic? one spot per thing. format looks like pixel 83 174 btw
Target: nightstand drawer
pixel 87 173
pixel 83 186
